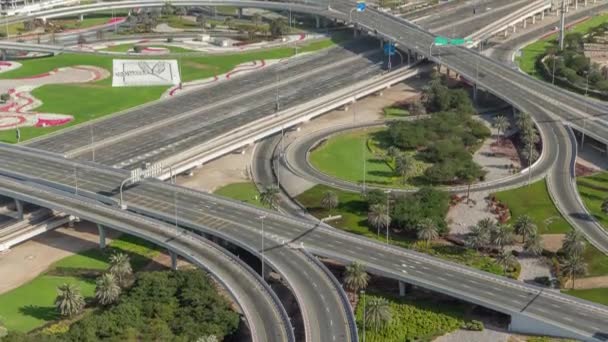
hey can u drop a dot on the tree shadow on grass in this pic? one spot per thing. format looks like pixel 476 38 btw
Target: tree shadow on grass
pixel 45 313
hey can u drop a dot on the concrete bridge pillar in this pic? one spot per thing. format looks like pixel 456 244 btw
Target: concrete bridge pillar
pixel 575 5
pixel 81 18
pixel 404 288
pixel 4 56
pixel 533 19
pixel 317 22
pixel 102 236
pixel 173 260
pixel 525 21
pixel 19 208
pixel 514 28
pixel 542 15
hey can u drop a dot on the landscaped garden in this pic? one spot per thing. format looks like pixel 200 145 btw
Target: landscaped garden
pixel 572 68
pixel 397 319
pixel 417 221
pixel 106 295
pixel 429 151
pixel 129 47
pixel 94 100
pixel 32 305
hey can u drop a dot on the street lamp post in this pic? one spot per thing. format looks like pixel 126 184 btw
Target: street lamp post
pixel 363 296
pixel 586 108
pixel 263 258
pixel 388 212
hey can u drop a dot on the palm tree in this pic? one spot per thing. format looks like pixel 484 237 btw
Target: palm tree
pixel 573 266
pixel 502 235
pixel 329 201
pixel 377 312
pixel 501 124
pixel 404 165
pixel 69 301
pixel 416 108
pixel 524 226
pixel 270 196
pixel 355 277
pixel 505 259
pixel 534 245
pixel 523 121
pixel 256 18
pixel 379 217
pixel 120 267
pixel 605 206
pixel 478 237
pixel 574 243
pixel 529 153
pixel 107 290
pixel 200 19
pixel 427 230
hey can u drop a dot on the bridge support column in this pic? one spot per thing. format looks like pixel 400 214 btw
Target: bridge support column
pixel 534 19
pixel 475 93
pixel 404 288
pixel 102 236
pixel 317 22
pixel 81 18
pixel 542 15
pixel 240 13
pixel 506 32
pixel 173 260
pixel 525 21
pixel 582 140
pixel 19 208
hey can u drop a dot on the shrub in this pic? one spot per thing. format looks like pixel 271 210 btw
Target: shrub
pixel 137 48
pixel 169 39
pixel 473 326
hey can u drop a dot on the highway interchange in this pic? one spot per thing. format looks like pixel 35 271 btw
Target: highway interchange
pixel 226 218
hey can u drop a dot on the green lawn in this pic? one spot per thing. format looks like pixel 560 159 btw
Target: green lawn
pixel 342 156
pixel 599 295
pixel 594 190
pixel 94 100
pixel 128 47
pixel 413 320
pixel 245 192
pixel 534 200
pixel 395 112
pixel 353 210
pixel 32 305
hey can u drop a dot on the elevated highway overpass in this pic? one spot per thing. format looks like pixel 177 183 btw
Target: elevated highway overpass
pixel 262 309
pixel 532 309
pixel 549 113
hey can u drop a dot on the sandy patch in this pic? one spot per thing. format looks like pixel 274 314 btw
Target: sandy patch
pixel 26 261
pixel 552 242
pixel 588 283
pixel 8 66
pixel 464 215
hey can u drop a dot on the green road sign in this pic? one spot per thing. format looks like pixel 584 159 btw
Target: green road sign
pixel 439 41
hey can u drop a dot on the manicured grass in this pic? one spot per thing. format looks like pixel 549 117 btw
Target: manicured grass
pixel 534 200
pixel 353 211
pixel 94 100
pixel 129 47
pixel 395 112
pixel 599 295
pixel 342 156
pixel 594 190
pixel 597 262
pixel 413 320
pixel 245 192
pixel 32 305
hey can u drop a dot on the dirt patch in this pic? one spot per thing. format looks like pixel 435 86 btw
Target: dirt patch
pixel 584 170
pixel 552 242
pixel 588 283
pixel 37 255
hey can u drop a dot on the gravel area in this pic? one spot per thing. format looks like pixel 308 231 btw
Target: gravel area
pixel 496 164
pixel 488 334
pixel 464 215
